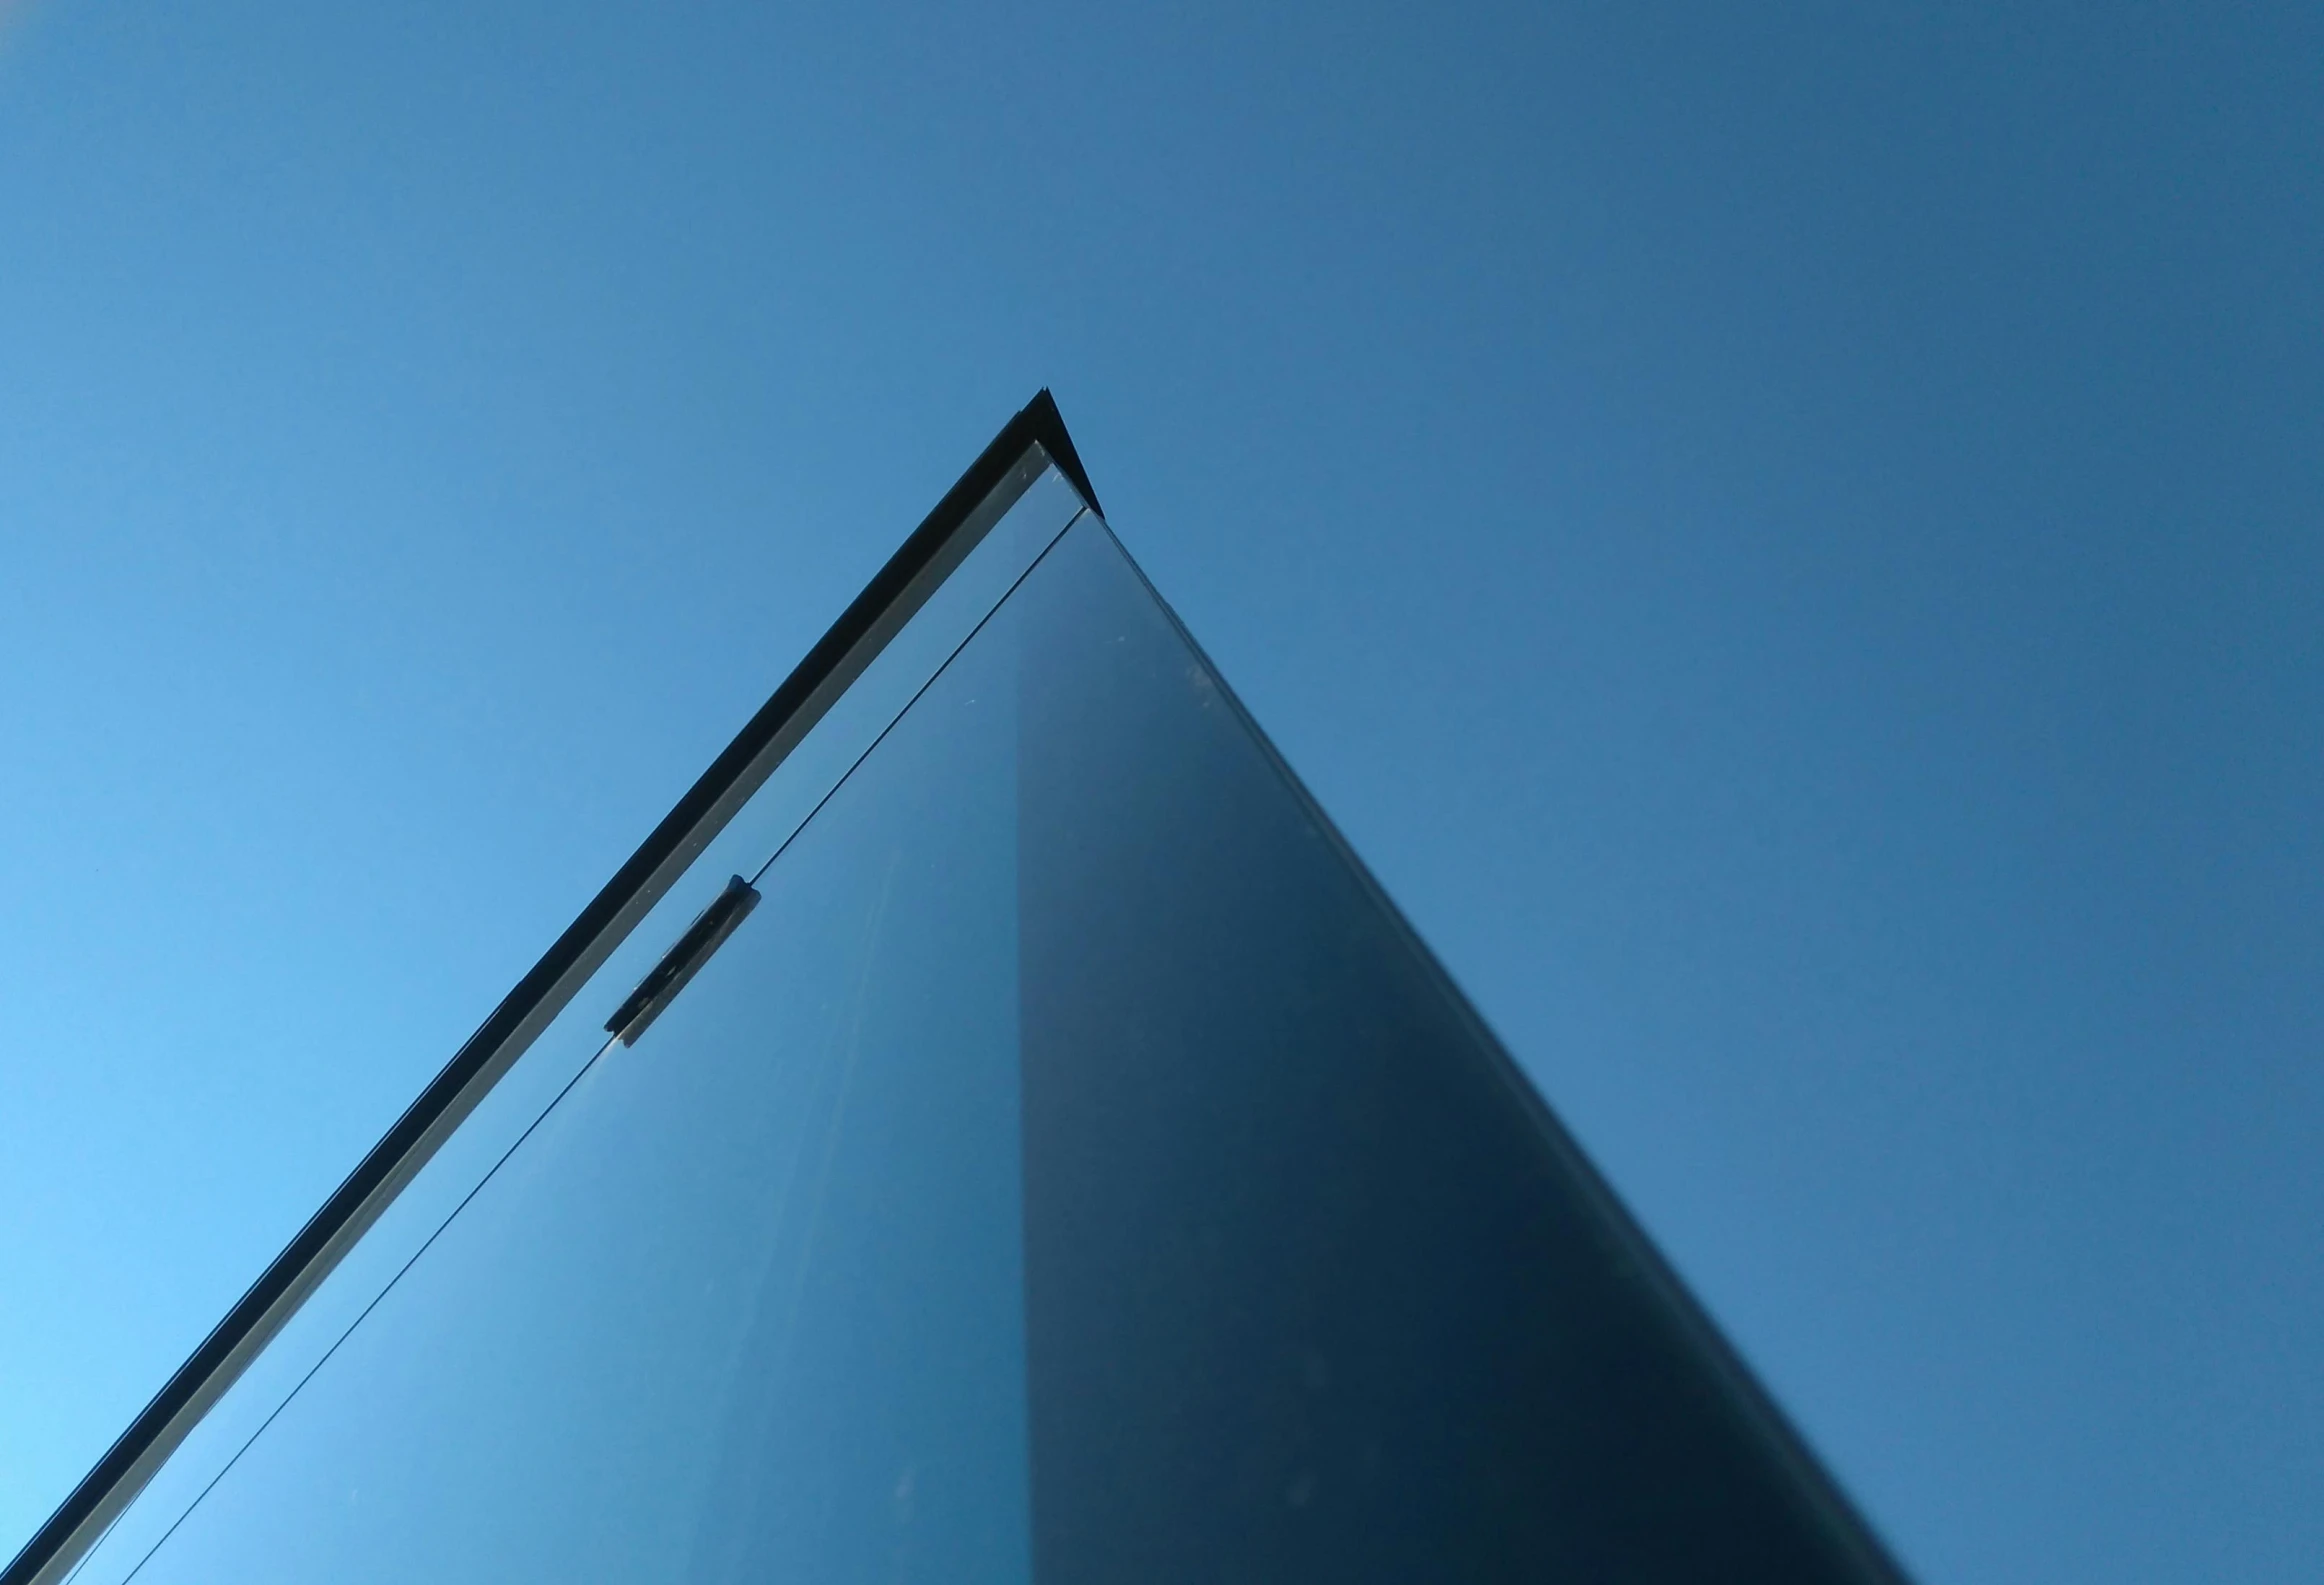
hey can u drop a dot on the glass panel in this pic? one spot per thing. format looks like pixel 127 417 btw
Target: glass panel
pixel 775 811
pixel 1315 1292
pixel 747 1302
pixel 1074 1167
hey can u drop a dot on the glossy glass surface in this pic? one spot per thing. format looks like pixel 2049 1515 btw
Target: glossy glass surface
pixel 1072 1170
pixel 777 809
pixel 1315 1289
pixel 747 1302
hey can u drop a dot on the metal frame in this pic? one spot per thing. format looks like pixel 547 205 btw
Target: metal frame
pixel 1031 441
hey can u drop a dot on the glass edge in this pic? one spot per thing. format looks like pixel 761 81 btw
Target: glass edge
pixel 1015 563
pixel 49 1559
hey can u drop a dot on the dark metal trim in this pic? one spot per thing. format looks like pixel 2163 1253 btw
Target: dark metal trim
pixel 659 988
pixel 861 631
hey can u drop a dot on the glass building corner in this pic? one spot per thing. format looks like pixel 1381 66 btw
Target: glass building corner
pixel 1064 1165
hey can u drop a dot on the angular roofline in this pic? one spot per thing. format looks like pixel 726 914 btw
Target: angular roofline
pixel 1034 438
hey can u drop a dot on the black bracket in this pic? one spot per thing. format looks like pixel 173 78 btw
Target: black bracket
pixel 656 991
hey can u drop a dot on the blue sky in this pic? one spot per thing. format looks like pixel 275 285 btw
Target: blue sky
pixel 1790 538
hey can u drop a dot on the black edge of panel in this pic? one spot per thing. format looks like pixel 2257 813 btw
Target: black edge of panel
pixel 867 622
pixel 1048 430
pixel 1778 1437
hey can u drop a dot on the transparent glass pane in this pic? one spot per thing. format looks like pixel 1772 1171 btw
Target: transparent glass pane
pixel 747 1303
pixel 809 771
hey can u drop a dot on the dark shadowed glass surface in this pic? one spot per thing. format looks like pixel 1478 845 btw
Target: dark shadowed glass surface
pixel 1072 1170
pixel 1316 1291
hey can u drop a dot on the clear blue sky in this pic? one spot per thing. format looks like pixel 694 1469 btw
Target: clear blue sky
pixel 1794 543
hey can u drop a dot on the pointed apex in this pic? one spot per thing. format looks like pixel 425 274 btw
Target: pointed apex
pixel 1040 421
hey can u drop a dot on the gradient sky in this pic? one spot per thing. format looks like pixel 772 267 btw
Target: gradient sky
pixel 1793 543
